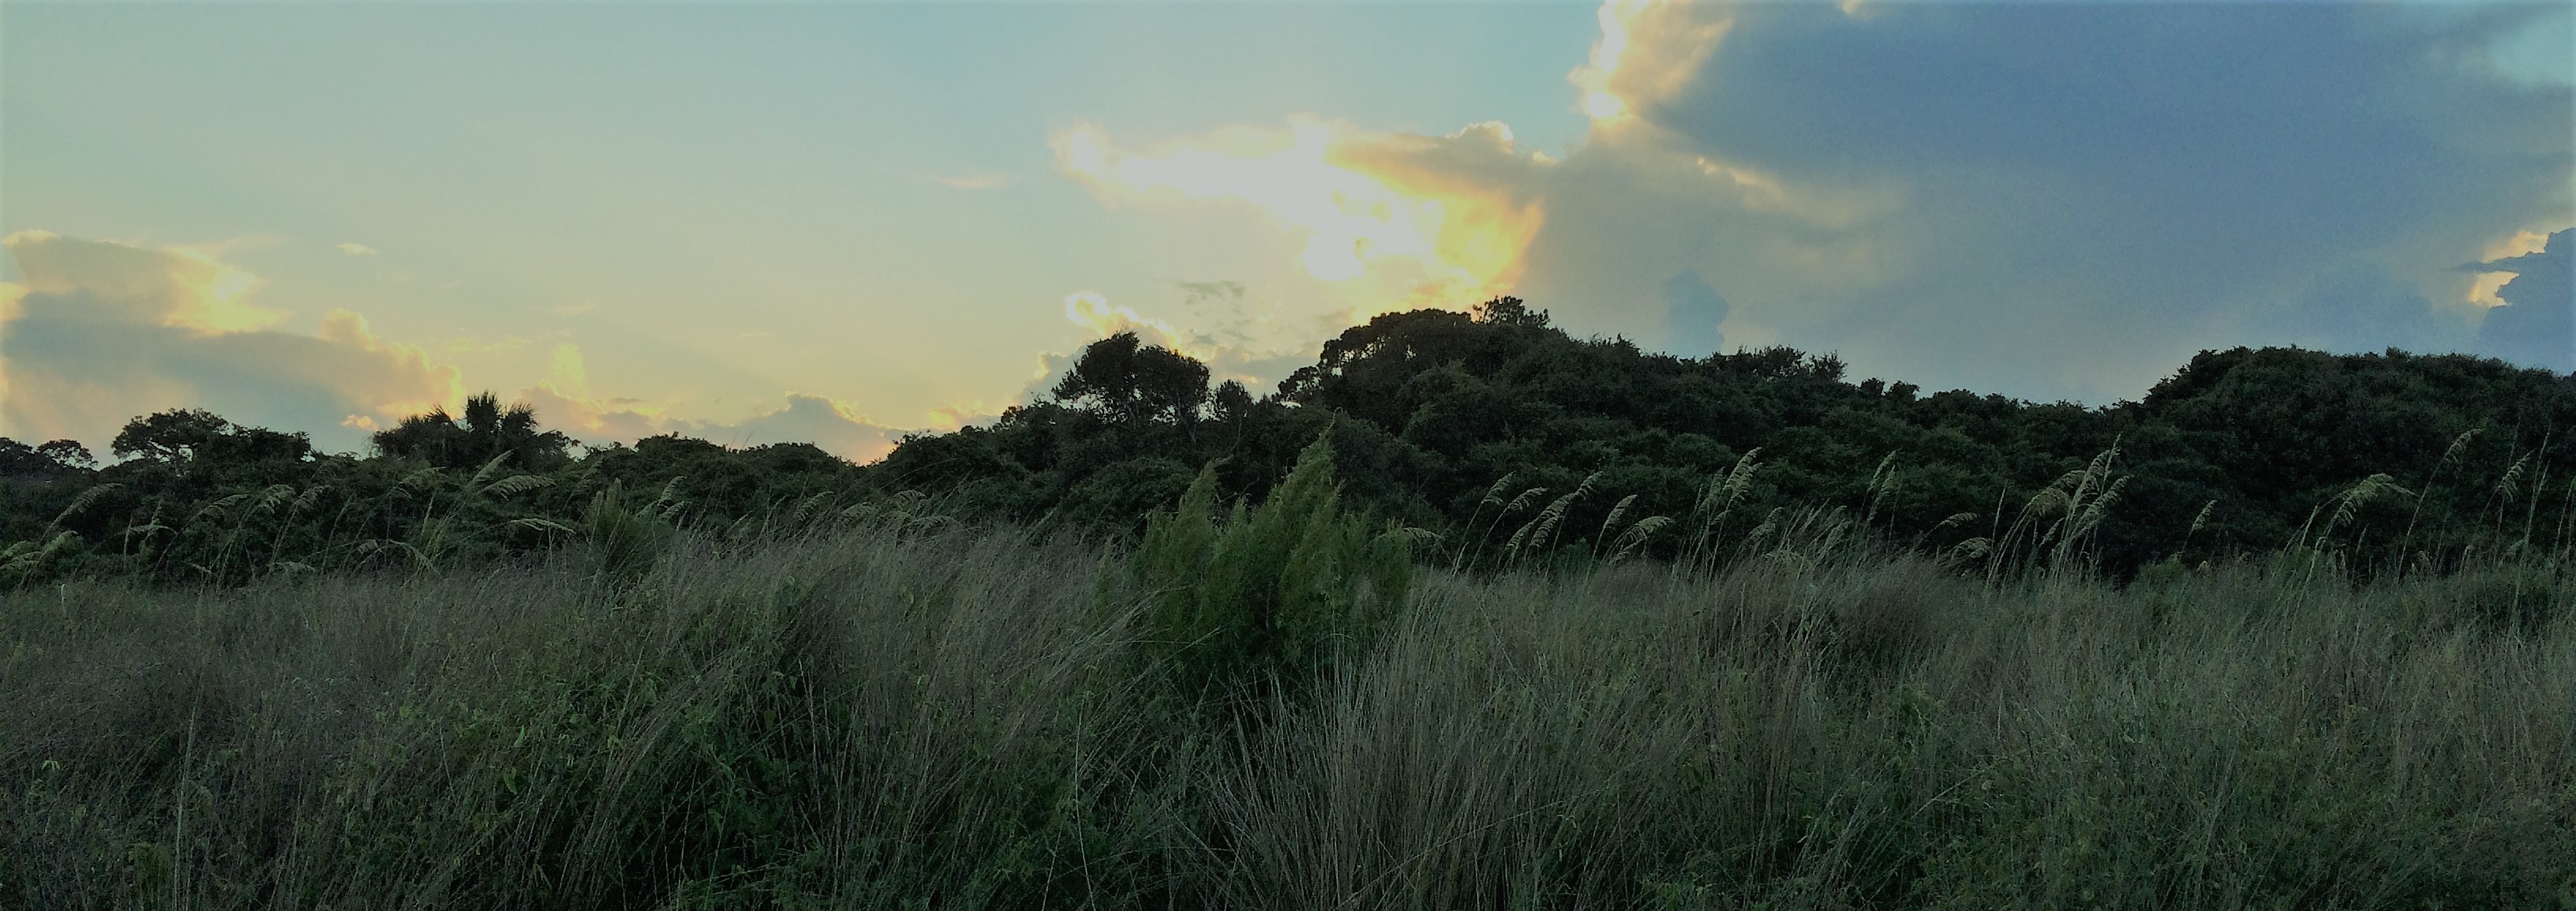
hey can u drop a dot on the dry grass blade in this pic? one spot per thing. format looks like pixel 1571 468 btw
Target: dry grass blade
pixel 221 509
pixel 79 503
pixel 1633 540
pixel 1617 513
pixel 2348 504
pixel 1523 501
pixel 1512 548
pixel 2452 452
pixel 516 484
pixel 2508 486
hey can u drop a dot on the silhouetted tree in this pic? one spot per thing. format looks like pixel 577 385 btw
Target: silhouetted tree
pixel 51 459
pixel 171 437
pixel 488 430
pixel 68 453
pixel 1121 376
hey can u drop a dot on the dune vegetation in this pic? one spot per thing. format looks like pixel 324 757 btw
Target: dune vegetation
pixel 1472 614
pixel 1284 706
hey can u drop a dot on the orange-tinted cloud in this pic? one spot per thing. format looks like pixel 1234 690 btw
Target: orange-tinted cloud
pixel 1395 220
pixel 102 332
pixel 1647 51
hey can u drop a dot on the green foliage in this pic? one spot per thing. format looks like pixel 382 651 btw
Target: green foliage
pixel 200 500
pixel 1509 442
pixel 1136 382
pixel 1431 409
pixel 1272 592
pixel 488 432
pixel 1719 632
pixel 895 712
pixel 49 459
pixel 620 539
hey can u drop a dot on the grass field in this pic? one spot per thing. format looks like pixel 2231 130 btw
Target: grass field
pixel 960 718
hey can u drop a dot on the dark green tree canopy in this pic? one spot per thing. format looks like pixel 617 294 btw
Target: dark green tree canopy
pixel 170 436
pixel 1440 420
pixel 49 459
pixel 1121 376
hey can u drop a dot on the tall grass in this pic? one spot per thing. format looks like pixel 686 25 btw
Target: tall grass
pixel 910 715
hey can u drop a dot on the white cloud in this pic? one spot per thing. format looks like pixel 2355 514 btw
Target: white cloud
pixel 356 249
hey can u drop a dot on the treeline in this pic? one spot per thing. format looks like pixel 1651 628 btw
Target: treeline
pixel 1504 440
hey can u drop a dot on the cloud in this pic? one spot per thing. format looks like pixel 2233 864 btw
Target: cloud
pixel 2048 200
pixel 178 287
pixel 2536 325
pixel 1392 220
pixel 1647 51
pixel 1229 339
pixel 1692 312
pixel 2360 309
pixel 2518 244
pixel 1198 293
pixel 354 249
pixel 563 401
pixel 834 425
pixel 2053 201
pixel 102 332
pixel 480 345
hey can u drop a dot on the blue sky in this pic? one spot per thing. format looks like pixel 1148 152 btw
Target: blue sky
pixel 839 222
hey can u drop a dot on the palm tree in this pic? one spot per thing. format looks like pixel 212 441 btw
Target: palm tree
pixel 489 431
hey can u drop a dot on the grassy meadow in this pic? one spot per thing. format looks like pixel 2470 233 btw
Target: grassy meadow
pixel 900 713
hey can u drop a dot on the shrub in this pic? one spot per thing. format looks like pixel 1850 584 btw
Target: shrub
pixel 1272 591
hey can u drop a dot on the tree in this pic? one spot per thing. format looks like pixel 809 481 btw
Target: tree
pixel 68 453
pixel 170 437
pixel 488 430
pixel 432 438
pixel 1121 376
pixel 1510 311
pixel 21 460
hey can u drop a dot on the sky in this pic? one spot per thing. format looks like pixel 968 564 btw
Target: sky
pixel 841 223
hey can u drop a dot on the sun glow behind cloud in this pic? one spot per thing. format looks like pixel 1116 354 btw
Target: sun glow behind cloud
pixel 1094 313
pixel 1691 143
pixel 2522 243
pixel 1383 216
pixel 2484 285
pixel 1648 49
pixel 200 293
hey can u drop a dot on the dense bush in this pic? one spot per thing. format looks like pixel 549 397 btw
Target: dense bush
pixel 1268 592
pixel 1477 428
